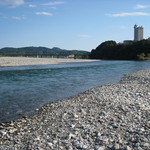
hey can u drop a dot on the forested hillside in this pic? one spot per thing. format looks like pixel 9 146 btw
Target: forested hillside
pixel 42 52
pixel 110 50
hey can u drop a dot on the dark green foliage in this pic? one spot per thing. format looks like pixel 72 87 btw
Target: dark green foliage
pixel 112 51
pixel 41 52
pixel 141 56
pixel 148 55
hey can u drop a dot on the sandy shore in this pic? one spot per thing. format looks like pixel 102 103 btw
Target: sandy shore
pixel 110 117
pixel 25 61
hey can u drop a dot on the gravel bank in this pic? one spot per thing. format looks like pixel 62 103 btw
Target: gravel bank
pixel 110 117
pixel 25 61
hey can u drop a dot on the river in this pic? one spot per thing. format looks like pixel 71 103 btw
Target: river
pixel 24 89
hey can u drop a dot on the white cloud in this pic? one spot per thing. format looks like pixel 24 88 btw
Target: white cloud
pixel 12 3
pixel 32 6
pixel 129 14
pixel 18 18
pixel 139 6
pixel 85 36
pixel 54 3
pixel 44 13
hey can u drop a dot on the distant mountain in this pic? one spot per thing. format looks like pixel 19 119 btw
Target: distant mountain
pixel 42 52
pixel 7 48
pixel 57 49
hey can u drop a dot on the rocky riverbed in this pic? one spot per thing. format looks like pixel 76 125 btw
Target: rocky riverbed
pixel 109 117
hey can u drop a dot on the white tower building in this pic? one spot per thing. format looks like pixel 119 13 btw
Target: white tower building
pixel 138 33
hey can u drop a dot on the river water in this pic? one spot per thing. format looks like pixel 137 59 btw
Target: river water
pixel 24 89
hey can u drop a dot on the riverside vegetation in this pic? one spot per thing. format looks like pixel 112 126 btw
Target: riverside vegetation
pixel 109 117
pixel 110 50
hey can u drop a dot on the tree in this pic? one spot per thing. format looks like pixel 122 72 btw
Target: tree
pixel 148 55
pixel 112 51
pixel 141 56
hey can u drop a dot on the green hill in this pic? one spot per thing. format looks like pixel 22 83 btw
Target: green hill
pixel 110 50
pixel 42 52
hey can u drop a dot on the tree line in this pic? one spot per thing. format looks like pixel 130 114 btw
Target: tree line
pixel 110 50
pixel 42 52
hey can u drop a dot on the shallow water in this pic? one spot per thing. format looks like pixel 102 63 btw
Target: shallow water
pixel 23 89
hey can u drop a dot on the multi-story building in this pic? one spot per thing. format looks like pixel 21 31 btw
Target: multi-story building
pixel 138 33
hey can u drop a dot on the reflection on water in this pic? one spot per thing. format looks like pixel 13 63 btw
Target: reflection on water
pixel 23 89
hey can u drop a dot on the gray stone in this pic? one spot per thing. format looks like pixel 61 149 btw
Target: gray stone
pixel 116 146
pixel 101 148
pixel 146 145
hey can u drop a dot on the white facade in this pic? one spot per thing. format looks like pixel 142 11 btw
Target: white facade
pixel 138 33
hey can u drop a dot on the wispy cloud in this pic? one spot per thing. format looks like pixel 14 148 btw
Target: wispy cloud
pixel 54 3
pixel 18 18
pixel 32 6
pixel 44 13
pixel 139 6
pixel 124 14
pixel 85 36
pixel 12 3
pixel 53 7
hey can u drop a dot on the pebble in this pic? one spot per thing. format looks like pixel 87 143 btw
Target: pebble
pixel 100 148
pixel 113 116
pixel 147 145
pixel 116 146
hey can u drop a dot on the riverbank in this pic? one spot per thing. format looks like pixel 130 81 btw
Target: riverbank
pixel 108 117
pixel 26 61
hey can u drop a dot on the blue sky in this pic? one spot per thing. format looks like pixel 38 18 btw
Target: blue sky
pixel 70 24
